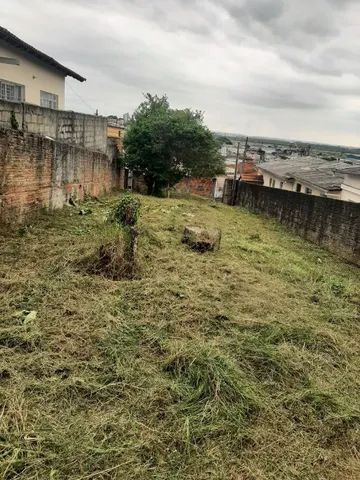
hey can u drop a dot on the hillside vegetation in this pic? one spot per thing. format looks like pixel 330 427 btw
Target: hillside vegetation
pixel 237 365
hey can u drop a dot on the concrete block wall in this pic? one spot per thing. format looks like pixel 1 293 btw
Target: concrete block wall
pixel 88 131
pixel 36 172
pixel 332 224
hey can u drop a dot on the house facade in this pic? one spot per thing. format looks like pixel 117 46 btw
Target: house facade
pixel 293 184
pixel 310 175
pixel 350 188
pixel 29 75
pixel 116 130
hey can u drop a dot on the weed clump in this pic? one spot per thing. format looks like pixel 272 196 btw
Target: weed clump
pixel 117 259
pixel 126 212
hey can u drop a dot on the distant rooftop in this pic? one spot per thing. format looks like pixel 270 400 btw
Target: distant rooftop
pixel 324 174
pixel 351 170
pixel 15 41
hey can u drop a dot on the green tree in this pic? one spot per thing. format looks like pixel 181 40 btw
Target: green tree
pixel 165 145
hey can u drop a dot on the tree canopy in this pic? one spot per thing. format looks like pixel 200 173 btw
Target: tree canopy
pixel 165 144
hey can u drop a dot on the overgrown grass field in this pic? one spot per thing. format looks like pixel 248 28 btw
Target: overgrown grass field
pixel 242 364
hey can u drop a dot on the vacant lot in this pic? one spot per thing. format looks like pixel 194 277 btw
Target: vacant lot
pixel 237 365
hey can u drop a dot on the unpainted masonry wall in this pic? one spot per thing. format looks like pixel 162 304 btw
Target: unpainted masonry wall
pixel 204 187
pixel 37 172
pixel 332 224
pixel 88 131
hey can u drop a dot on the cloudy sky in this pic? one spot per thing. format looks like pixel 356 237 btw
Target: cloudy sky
pixel 284 68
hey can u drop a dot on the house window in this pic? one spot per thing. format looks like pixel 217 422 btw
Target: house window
pixel 308 191
pixel 272 182
pixel 12 92
pixel 281 184
pixel 49 100
pixel 298 187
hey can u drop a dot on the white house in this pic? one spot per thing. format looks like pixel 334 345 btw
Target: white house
pixel 28 75
pixel 309 175
pixel 350 188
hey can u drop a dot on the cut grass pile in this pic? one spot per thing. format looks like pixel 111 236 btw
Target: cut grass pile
pixel 242 364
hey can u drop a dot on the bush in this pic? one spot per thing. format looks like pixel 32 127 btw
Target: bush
pixel 126 212
pixel 117 259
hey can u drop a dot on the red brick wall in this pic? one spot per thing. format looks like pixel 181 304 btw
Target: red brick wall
pixel 203 187
pixel 37 172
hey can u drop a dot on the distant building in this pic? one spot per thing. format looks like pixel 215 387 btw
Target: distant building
pixel 249 173
pixel 116 127
pixel 352 156
pixel 116 132
pixel 246 170
pixel 127 118
pixel 309 175
pixel 350 188
pixel 28 75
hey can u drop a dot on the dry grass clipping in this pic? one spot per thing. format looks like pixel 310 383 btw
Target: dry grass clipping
pixel 237 365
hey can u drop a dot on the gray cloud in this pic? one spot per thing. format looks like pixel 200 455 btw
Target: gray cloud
pixel 266 67
pixel 262 11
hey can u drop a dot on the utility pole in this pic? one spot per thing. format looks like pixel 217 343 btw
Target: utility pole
pixel 237 161
pixel 245 150
pixel 235 174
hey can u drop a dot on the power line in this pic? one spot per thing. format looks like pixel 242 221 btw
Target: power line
pixel 79 96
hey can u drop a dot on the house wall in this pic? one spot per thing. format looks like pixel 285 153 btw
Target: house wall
pixel 36 172
pixel 332 224
pixel 204 187
pixel 267 176
pixel 34 74
pixel 115 137
pixel 115 132
pixel 351 188
pixel 291 186
pixel 89 131
pixel 219 187
pixel 314 191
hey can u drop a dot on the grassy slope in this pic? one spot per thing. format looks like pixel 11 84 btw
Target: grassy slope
pixel 242 364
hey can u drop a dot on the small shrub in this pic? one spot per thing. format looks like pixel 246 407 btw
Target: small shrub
pixel 126 212
pixel 117 258
pixel 337 287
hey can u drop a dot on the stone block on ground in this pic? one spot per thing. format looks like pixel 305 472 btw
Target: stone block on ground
pixel 202 239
